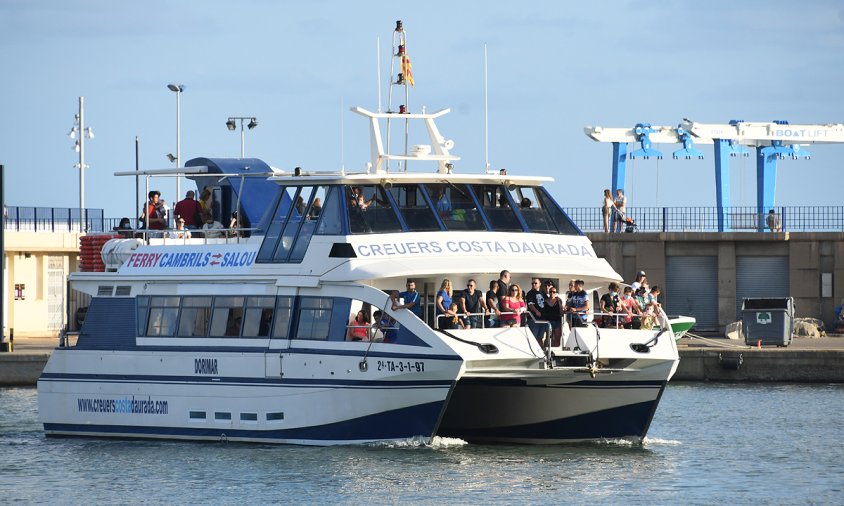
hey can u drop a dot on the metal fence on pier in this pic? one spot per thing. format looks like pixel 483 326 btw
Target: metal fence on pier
pixel 55 219
pixel 706 219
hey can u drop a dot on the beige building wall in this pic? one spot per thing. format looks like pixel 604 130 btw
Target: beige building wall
pixel 811 255
pixel 33 259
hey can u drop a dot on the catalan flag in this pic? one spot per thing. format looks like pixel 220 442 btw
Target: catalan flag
pixel 405 68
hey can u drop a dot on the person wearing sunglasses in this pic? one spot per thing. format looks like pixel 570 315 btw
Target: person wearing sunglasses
pixel 552 312
pixel 472 305
pixel 512 307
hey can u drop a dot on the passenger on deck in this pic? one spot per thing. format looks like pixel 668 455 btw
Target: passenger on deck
pixel 179 232
pixel 525 203
pixel 653 295
pixel 649 316
pixel 443 301
pixel 386 325
pixel 189 210
pixel 151 217
pixel 552 312
pixel 316 208
pixel 451 319
pixel 212 229
pixel 472 305
pixel 358 328
pixel 631 309
pixel 503 286
pixel 640 278
pixel 124 228
pixel 410 298
pixel 578 305
pixel 492 298
pixel 535 300
pixel 512 307
pixel 610 307
pixel 442 203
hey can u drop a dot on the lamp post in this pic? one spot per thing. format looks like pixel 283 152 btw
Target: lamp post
pixel 178 89
pixel 231 125
pixel 79 147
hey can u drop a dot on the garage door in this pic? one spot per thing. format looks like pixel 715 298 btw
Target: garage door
pixel 760 276
pixel 692 289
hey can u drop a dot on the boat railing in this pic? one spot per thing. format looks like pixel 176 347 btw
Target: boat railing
pixel 462 316
pixel 189 236
pixel 618 320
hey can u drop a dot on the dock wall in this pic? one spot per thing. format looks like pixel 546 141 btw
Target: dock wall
pixel 812 269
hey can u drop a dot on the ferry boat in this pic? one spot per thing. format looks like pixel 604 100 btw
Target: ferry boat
pixel 253 336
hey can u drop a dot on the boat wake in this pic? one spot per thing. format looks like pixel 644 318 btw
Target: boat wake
pixel 420 442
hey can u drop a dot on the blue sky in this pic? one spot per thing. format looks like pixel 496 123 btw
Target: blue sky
pixel 554 67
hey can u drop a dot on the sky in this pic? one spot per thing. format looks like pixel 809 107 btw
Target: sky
pixel 554 67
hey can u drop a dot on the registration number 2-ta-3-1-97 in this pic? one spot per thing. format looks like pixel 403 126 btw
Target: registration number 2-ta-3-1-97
pixel 401 366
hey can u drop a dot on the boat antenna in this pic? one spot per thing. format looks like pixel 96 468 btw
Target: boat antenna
pixel 342 145
pixel 137 168
pixel 378 68
pixel 486 113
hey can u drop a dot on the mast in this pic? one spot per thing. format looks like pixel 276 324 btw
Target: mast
pixel 403 78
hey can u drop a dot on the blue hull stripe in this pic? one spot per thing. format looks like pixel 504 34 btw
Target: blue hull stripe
pixel 403 423
pixel 218 380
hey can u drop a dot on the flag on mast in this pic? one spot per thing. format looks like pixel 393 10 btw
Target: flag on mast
pixel 405 68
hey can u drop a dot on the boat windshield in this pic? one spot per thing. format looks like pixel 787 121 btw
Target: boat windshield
pixel 307 210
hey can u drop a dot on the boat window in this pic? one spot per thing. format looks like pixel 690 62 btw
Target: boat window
pixel 279 220
pixel 143 313
pixel 561 219
pixel 258 318
pixel 291 229
pixel 455 206
pixel 283 308
pixel 163 312
pixel 496 206
pixel 331 222
pixel 532 209
pixel 227 316
pixel 196 312
pixel 414 208
pixel 308 226
pixel 314 318
pixel 370 210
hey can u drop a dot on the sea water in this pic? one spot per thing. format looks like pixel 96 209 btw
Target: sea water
pixel 708 444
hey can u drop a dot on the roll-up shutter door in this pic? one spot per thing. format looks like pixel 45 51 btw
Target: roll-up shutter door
pixel 692 289
pixel 760 276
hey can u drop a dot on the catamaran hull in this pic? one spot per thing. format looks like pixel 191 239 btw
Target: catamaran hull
pixel 551 410
pixel 294 410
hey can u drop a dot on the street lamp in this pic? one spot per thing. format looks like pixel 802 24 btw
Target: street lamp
pixel 231 125
pixel 79 147
pixel 178 89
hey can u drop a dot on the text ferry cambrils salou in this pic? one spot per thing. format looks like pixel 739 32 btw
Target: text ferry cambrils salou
pixel 317 321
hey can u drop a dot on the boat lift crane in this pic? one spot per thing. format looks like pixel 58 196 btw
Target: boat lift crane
pixel 773 141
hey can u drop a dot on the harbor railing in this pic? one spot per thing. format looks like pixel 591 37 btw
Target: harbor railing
pixel 708 219
pixel 589 219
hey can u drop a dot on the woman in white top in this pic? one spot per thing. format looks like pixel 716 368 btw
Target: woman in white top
pixel 606 211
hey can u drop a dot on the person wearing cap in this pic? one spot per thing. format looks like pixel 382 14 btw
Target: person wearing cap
pixel 640 279
pixel 578 305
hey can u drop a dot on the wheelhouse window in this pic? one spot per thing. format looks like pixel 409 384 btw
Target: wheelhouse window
pixel 370 210
pixel 561 220
pixel 314 318
pixel 533 210
pixel 330 216
pixel 298 215
pixel 496 205
pixel 414 208
pixel 278 223
pixel 455 206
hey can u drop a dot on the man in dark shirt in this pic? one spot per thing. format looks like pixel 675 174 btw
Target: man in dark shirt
pixel 610 306
pixel 535 300
pixel 491 299
pixel 503 287
pixel 189 210
pixel 471 303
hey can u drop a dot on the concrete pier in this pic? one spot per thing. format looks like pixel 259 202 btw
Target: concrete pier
pixel 803 361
